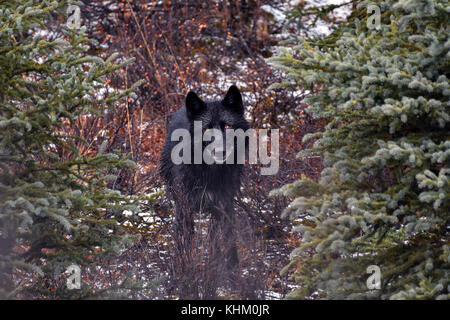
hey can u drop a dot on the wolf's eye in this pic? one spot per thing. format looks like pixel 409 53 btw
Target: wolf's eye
pixel 223 125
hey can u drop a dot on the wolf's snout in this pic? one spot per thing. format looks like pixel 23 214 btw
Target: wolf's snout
pixel 220 155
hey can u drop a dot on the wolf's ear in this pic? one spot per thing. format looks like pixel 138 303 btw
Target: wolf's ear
pixel 194 105
pixel 233 100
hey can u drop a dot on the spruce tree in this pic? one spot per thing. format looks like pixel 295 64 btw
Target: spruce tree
pixel 55 208
pixel 383 195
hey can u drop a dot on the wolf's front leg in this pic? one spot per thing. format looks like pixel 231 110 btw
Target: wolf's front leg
pixel 223 231
pixel 183 229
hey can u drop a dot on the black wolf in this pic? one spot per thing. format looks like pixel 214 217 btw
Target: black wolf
pixel 204 187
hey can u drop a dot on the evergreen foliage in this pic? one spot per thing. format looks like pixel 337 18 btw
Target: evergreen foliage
pixel 383 195
pixel 55 208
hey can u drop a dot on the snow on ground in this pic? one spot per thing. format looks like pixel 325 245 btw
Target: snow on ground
pixel 278 15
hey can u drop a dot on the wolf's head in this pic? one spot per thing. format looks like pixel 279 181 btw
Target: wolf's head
pixel 216 119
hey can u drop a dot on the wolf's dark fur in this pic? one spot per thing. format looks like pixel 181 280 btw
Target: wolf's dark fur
pixel 203 187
